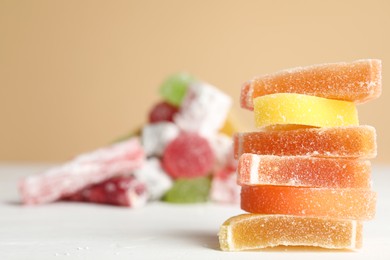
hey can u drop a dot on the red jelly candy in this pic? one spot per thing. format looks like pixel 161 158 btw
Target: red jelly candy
pixel 163 111
pixel 121 191
pixel 188 156
pixel 83 171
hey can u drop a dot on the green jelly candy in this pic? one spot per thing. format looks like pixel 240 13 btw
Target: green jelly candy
pixel 189 190
pixel 174 88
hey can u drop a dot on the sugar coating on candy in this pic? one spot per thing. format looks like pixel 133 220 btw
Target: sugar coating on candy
pixel 224 188
pixel 255 231
pixel 85 170
pixel 203 110
pixel 302 201
pixel 188 156
pixel 299 109
pixel 344 142
pixel 155 137
pixel 122 191
pixel 118 151
pixel 358 81
pixel 189 190
pixel 174 88
pixel 162 112
pixel 303 171
pixel 156 180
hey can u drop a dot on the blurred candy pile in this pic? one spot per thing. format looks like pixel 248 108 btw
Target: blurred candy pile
pixel 184 154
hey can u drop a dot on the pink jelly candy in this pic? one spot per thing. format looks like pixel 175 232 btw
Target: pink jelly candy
pixel 122 191
pixel 224 188
pixel 188 156
pixel 162 111
pixel 85 170
pixel 223 150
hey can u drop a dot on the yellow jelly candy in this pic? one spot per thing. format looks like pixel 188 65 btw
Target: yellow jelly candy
pixel 254 231
pixel 231 125
pixel 299 109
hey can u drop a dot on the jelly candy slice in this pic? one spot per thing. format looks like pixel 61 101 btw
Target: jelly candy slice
pixel 155 137
pixel 346 142
pixel 255 231
pixel 204 109
pixel 85 170
pixel 162 112
pixel 358 81
pixel 188 156
pixel 122 191
pixel 174 88
pixel 287 108
pixel 303 171
pixel 155 178
pixel 189 190
pixel 319 202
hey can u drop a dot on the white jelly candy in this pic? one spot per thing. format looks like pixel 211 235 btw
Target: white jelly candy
pixel 203 110
pixel 156 180
pixel 156 136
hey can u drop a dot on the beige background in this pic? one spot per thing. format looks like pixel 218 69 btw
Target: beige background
pixel 75 75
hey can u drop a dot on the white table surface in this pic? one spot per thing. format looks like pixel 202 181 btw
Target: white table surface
pixel 158 231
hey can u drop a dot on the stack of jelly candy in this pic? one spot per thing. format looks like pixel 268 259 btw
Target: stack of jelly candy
pixel 184 154
pixel 304 176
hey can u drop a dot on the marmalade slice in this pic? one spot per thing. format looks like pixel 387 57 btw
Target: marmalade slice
pixel 298 109
pixel 254 231
pixel 343 142
pixel 358 82
pixel 358 204
pixel 303 171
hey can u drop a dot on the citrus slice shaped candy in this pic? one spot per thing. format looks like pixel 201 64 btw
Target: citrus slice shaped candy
pixel 358 82
pixel 344 142
pixel 298 109
pixel 254 231
pixel 303 171
pixel 316 202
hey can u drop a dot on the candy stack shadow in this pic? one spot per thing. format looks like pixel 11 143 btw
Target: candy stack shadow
pixel 305 176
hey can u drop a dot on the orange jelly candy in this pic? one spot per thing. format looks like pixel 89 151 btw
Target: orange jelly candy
pixel 254 231
pixel 303 171
pixel 358 204
pixel 344 142
pixel 358 81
